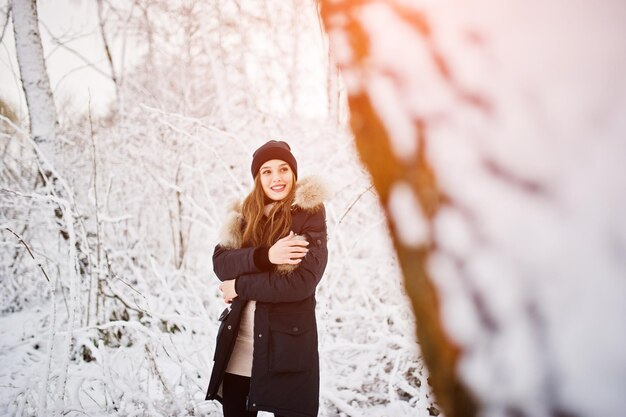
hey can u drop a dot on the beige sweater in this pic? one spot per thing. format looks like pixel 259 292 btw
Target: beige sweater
pixel 241 359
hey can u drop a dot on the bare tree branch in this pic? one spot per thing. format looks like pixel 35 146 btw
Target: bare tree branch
pixel 43 271
pixel 6 22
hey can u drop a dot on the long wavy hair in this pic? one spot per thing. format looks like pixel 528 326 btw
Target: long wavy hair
pixel 260 230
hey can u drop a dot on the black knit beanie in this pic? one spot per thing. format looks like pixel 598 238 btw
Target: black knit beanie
pixel 273 149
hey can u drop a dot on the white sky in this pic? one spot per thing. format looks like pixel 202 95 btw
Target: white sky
pixel 72 80
pixel 75 23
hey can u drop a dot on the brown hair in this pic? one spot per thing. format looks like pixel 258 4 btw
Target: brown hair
pixel 260 230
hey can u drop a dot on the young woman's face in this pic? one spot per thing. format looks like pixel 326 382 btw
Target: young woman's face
pixel 276 179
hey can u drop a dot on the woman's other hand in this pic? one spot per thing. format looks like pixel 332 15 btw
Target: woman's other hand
pixel 228 290
pixel 288 250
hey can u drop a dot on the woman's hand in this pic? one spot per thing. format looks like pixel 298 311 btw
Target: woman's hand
pixel 228 290
pixel 288 250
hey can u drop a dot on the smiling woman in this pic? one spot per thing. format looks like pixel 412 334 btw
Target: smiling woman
pixel 277 169
pixel 271 257
pixel 276 179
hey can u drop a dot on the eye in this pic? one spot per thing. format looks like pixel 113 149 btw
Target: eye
pixel 265 172
pixel 284 169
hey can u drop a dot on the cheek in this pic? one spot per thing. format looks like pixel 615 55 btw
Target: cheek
pixel 288 179
pixel 265 184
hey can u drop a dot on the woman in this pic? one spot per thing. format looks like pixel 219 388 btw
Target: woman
pixel 270 259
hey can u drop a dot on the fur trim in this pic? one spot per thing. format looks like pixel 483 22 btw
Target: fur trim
pixel 310 194
pixel 231 234
pixel 287 268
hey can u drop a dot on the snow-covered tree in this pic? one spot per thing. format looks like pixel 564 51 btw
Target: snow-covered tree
pixel 496 138
pixel 35 81
pixel 199 86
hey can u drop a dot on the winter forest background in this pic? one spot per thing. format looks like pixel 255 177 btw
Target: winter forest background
pixel 476 153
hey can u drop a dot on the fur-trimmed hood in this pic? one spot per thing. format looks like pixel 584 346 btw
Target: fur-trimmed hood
pixel 310 194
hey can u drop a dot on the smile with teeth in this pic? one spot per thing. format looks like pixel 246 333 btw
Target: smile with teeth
pixel 278 188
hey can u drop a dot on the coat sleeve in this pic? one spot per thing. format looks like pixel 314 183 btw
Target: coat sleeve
pixel 231 263
pixel 299 284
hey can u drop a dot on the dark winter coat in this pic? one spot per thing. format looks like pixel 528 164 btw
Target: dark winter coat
pixel 285 365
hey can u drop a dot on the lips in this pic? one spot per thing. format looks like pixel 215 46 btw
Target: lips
pixel 278 188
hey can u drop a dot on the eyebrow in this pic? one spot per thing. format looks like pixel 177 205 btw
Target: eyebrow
pixel 269 167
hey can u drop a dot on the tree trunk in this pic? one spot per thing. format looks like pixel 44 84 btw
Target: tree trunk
pixel 495 136
pixel 35 81
pixel 43 130
pixel 373 144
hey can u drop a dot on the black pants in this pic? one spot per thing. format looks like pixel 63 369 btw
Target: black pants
pixel 235 389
